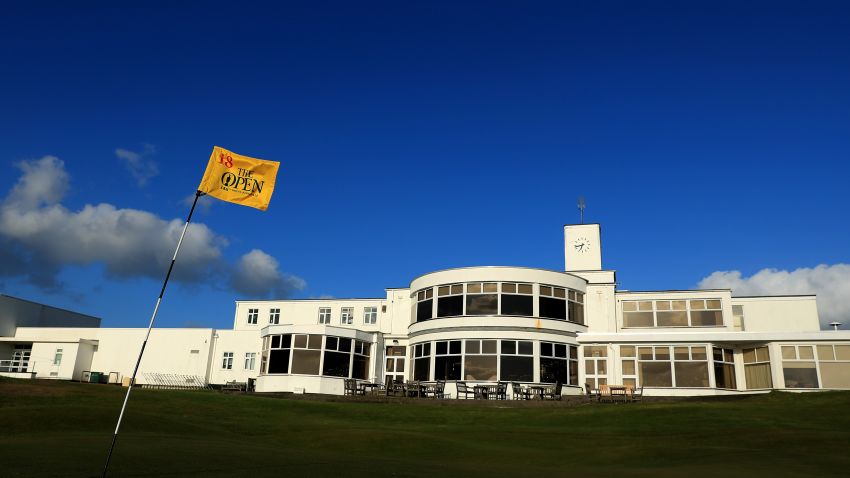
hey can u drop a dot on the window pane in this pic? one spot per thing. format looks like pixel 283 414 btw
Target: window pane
pixel 278 361
pixel 517 305
pixel 315 342
pixel 443 290
pixel 480 367
pixel 679 304
pixel 835 375
pixel 360 367
pixel 447 367
pixel 645 353
pixel 491 287
pixel 509 347
pixel 275 341
pixel 561 351
pixel 553 308
pixel 457 289
pixel 749 355
pixel 545 290
pixel 306 361
pixel 629 306
pixel 482 304
pixel 758 376
pixel 627 350
pixel 842 352
pixel 509 288
pixel 524 289
pixel 525 348
pixel 450 306
pixel 806 352
pixel 697 305
pixel 645 305
pixel 662 305
pixel 473 346
pixel 724 375
pixel 788 352
pixel 628 367
pixel 698 353
pixel 546 349
pixel 488 346
pixel 662 353
pixel 825 353
pixel 442 348
pixel 681 353
pixel 517 369
pixel 331 343
pixel 800 374
pixel 336 364
pixel 473 288
pixel 559 293
pixel 712 304
pixel 553 370
pixel 763 354
pixel 656 374
pixel 704 318
pixel 421 368
pixel 638 319
pixel 423 310
pixel 454 347
pixel 672 319
pixel 691 374
pixel 345 345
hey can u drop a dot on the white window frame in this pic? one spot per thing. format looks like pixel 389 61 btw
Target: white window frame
pixel 346 316
pixel 227 361
pixel 57 357
pixel 370 315
pixel 274 316
pixel 253 315
pixel 325 315
pixel 250 360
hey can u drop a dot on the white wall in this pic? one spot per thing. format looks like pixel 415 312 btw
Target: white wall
pixel 239 342
pixel 779 314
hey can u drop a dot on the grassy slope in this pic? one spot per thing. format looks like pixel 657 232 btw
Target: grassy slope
pixel 64 429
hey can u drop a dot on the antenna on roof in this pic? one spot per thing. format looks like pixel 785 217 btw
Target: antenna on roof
pixel 835 325
pixel 581 206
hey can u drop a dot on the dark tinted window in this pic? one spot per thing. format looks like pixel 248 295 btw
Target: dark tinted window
pixel 279 361
pixel 553 308
pixel 421 368
pixel 360 367
pixel 336 364
pixel 447 367
pixel 517 305
pixel 423 310
pixel 275 341
pixel 517 369
pixel 485 304
pixel 450 306
pixel 553 370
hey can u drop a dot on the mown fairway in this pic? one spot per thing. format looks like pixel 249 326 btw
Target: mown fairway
pixel 64 429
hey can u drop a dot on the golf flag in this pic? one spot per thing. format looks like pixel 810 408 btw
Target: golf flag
pixel 239 179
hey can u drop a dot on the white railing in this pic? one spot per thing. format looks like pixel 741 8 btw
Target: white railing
pixel 14 366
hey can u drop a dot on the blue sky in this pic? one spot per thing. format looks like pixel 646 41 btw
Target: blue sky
pixel 706 137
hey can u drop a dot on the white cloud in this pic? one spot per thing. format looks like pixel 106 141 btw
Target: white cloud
pixel 831 283
pixel 257 275
pixel 140 165
pixel 39 237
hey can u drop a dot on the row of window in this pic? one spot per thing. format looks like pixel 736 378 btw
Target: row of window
pixel 499 298
pixel 807 366
pixel 673 313
pixel 227 360
pixel 314 354
pixel 493 360
pixel 346 316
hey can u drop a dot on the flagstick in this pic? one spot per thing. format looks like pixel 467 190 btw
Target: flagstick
pixel 150 326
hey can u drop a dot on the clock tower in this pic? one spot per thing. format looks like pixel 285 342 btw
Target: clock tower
pixel 582 247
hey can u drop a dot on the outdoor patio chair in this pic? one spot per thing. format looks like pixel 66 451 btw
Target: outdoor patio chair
pixel 590 393
pixel 519 393
pixel 414 389
pixel 637 394
pixel 605 393
pixel 465 390
pixel 502 391
pixel 350 386
pixel 394 389
pixel 439 390
pixel 553 393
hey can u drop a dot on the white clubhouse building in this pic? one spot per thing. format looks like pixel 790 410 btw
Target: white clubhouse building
pixel 475 324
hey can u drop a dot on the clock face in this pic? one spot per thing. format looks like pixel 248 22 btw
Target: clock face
pixel 581 245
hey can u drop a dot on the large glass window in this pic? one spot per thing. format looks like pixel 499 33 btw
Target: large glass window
pixel 673 313
pixel 517 299
pixel 558 363
pixel 337 356
pixel 666 366
pixel 799 367
pixel 447 360
pixel 757 368
pixel 517 361
pixel 395 364
pixel 274 316
pixel 306 354
pixel 424 305
pixel 281 350
pixel 422 361
pixel 482 298
pixel 480 360
pixel 553 302
pixel 360 360
pixel 450 300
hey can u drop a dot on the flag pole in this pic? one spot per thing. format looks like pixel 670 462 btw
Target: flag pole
pixel 147 336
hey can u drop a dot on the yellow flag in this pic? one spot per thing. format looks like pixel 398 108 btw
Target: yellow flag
pixel 239 179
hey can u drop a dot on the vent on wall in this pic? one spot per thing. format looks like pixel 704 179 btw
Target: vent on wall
pixel 194 351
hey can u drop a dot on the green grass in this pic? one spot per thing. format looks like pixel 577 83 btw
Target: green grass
pixel 64 430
